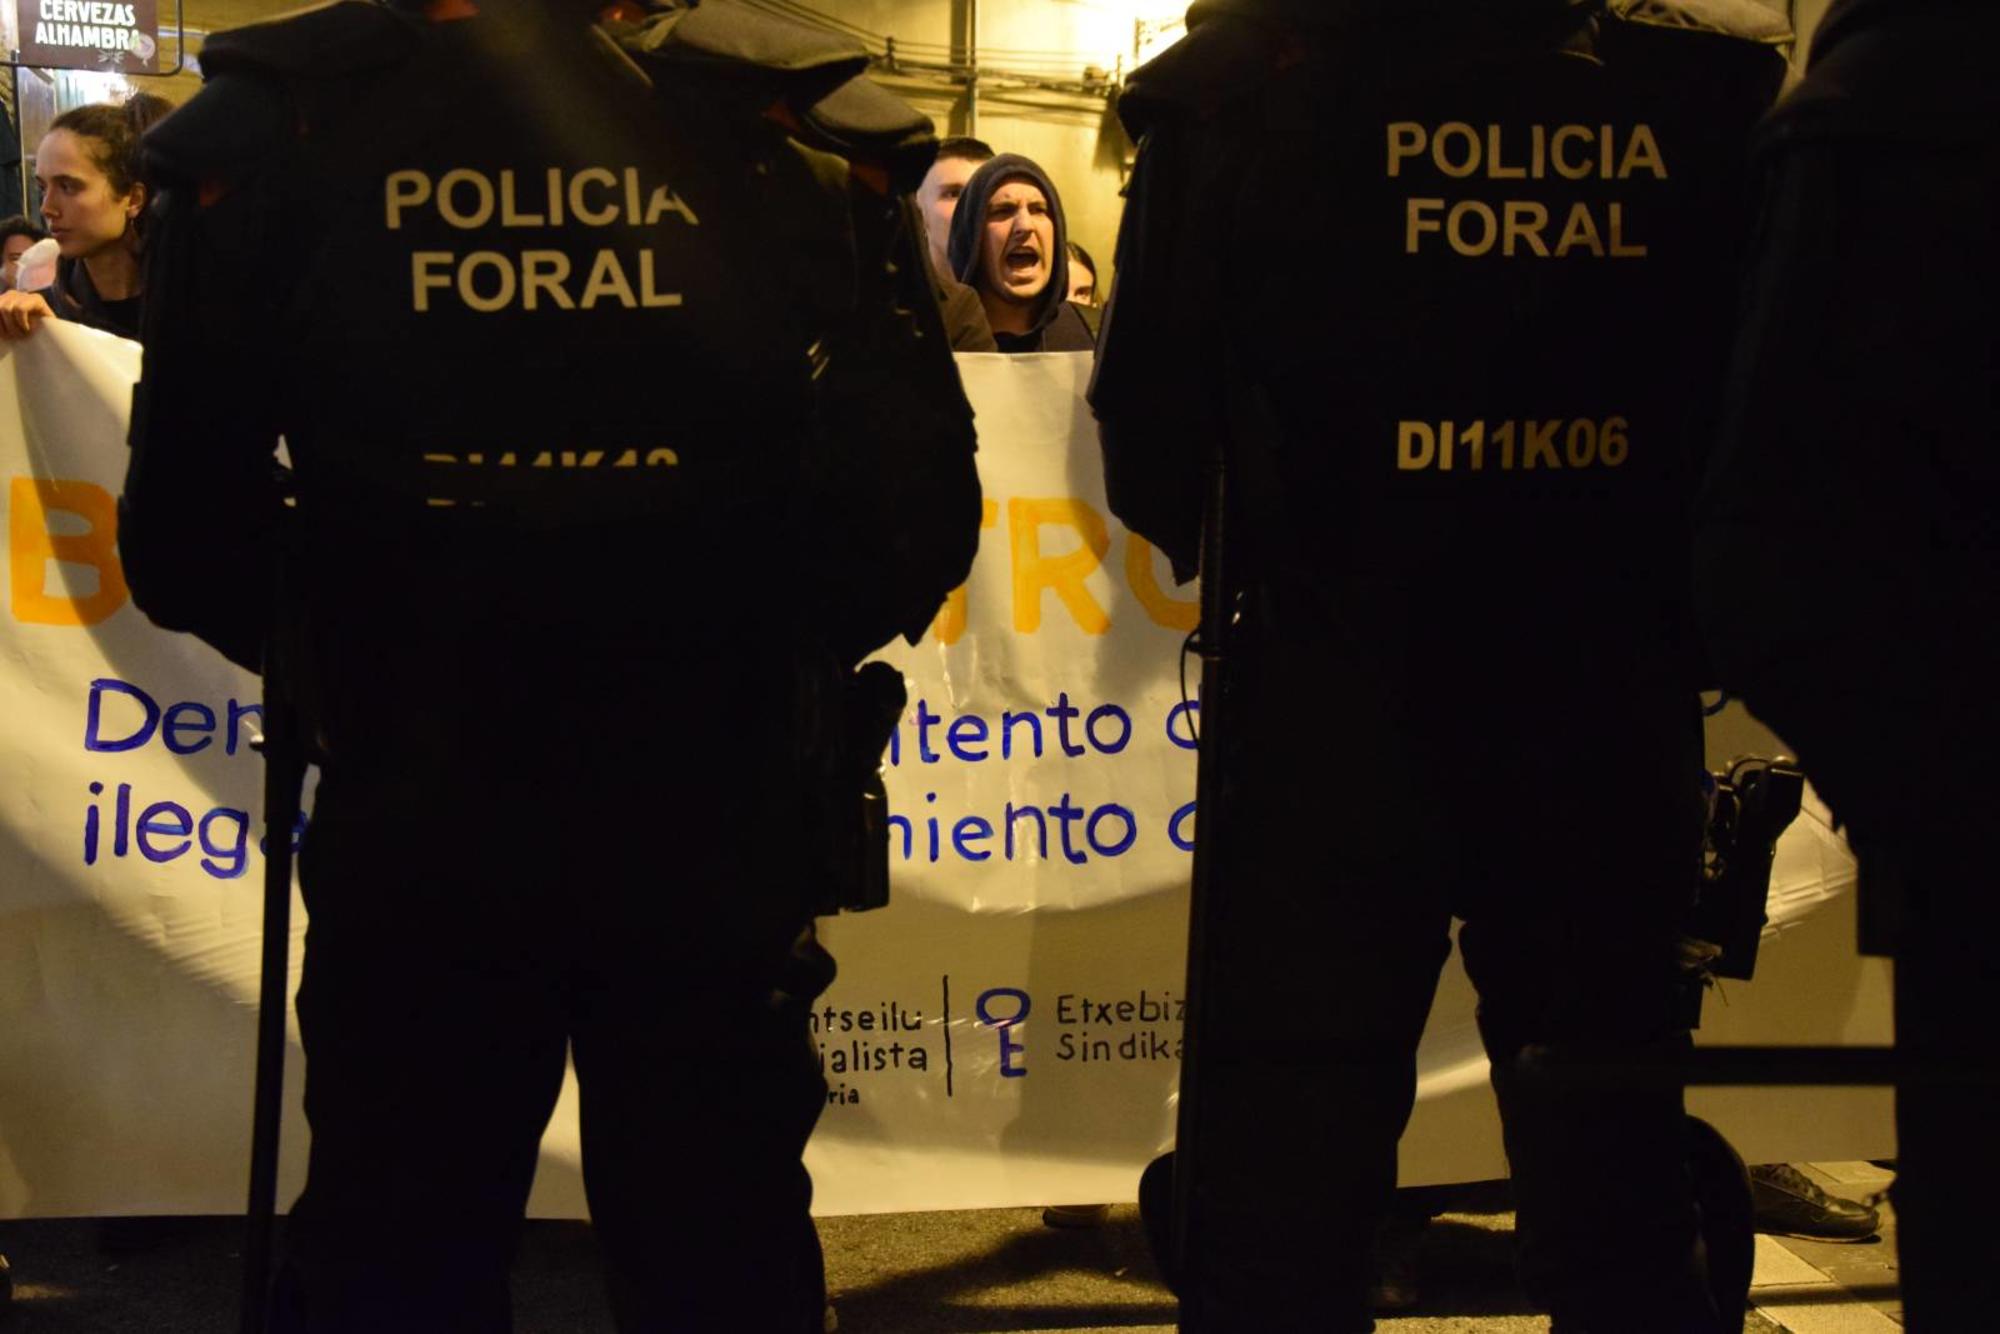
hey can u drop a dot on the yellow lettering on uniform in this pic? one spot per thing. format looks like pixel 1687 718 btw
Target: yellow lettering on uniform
pixel 1489 227
pixel 662 458
pixel 1416 446
pixel 1619 249
pixel 555 197
pixel 1538 152
pixel 1446 132
pixel 1616 444
pixel 1444 446
pixel 629 459
pixel 482 194
pixel 592 457
pixel 1169 613
pixel 1538 442
pixel 666 201
pixel 1574 171
pixel 1035 573
pixel 1581 229
pixel 1642 152
pixel 1496 169
pixel 607 278
pixel 1504 437
pixel 1580 445
pixel 632 195
pixel 1406 139
pixel 650 297
pixel 468 289
pixel 1523 220
pixel 422 280
pixel 406 189
pixel 545 459
pixel 545 271
pixel 1473 437
pixel 32 544
pixel 1418 224
pixel 604 214
pixel 510 213
pixel 950 622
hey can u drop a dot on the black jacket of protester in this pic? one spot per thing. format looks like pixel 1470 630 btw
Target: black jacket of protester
pixel 74 297
pixel 1849 549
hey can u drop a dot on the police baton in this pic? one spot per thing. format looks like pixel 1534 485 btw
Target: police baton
pixel 284 778
pixel 1212 642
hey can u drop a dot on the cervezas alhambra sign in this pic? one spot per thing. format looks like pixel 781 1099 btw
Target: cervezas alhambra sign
pixel 118 35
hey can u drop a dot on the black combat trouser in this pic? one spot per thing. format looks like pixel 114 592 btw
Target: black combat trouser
pixel 1948 1158
pixel 1365 812
pixel 462 940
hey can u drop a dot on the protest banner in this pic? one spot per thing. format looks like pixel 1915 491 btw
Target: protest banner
pixel 1006 1032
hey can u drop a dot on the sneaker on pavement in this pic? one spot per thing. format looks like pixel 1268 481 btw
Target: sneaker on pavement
pixel 1789 1203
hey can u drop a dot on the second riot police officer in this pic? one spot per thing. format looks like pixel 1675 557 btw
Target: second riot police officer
pixel 619 426
pixel 1464 380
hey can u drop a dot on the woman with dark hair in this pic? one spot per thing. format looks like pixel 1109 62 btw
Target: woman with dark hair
pixel 87 166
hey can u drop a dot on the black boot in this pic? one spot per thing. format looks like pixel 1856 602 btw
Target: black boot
pixel 1790 1204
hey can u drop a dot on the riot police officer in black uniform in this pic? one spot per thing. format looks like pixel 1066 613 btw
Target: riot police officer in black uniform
pixel 1848 559
pixel 619 422
pixel 1460 433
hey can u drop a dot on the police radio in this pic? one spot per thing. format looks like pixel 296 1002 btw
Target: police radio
pixel 1749 805
pixel 845 721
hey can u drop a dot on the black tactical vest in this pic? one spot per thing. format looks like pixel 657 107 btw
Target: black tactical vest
pixel 549 337
pixel 1522 279
pixel 1486 290
pixel 556 307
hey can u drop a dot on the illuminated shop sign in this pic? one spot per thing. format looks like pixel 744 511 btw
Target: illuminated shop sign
pixel 120 35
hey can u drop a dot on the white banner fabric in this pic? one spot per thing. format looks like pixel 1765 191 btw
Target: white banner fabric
pixel 1005 1033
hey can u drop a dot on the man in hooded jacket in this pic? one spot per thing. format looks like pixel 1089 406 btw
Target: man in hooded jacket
pixel 1460 681
pixel 1010 244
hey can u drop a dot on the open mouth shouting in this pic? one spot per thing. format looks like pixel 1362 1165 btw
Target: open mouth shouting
pixel 1024 265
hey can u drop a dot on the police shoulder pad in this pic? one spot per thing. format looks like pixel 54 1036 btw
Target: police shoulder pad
pixel 341 37
pixel 1743 19
pixel 1219 61
pixel 228 130
pixel 795 62
pixel 866 123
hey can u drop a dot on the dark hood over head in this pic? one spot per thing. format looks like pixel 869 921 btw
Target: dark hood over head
pixel 969 221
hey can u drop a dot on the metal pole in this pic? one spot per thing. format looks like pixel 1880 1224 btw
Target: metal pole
pixel 284 775
pixel 972 67
pixel 1759 1067
pixel 21 139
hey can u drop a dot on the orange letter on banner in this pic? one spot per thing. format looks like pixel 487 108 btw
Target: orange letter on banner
pixel 1170 613
pixel 950 623
pixel 32 544
pixel 1063 575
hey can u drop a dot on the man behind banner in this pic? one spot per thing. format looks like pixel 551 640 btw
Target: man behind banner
pixel 1458 446
pixel 621 423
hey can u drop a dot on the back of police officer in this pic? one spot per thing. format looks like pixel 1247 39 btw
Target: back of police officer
pixel 1463 405
pixel 615 430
